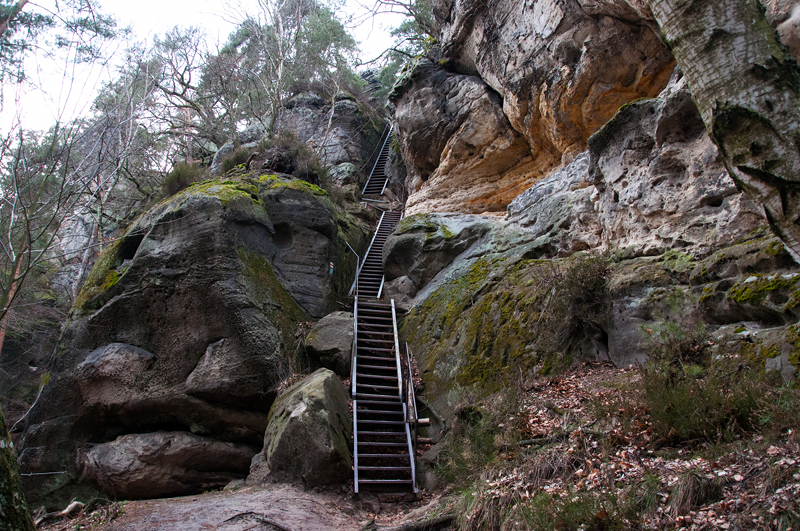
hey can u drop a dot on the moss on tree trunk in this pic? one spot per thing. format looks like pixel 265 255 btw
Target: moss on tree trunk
pixel 14 515
pixel 746 87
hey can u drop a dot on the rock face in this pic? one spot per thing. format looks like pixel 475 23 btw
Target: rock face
pixel 651 188
pixel 651 181
pixel 184 324
pixel 307 437
pixel 531 82
pixel 461 152
pixel 164 464
pixel 330 343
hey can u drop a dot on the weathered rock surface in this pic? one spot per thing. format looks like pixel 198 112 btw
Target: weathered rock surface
pixel 490 314
pixel 164 463
pixel 307 437
pixel 184 324
pixel 651 181
pixel 330 343
pixel 422 245
pixel 557 71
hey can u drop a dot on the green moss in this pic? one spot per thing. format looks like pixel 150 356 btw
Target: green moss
pixel 754 289
pixel 273 182
pixel 102 277
pixel 277 303
pixel 225 191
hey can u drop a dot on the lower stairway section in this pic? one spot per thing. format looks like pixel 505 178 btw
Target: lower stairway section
pixel 382 445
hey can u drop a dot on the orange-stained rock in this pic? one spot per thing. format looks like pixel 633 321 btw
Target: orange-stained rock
pixel 557 70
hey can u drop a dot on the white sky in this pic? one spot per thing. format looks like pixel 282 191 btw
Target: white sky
pixel 148 18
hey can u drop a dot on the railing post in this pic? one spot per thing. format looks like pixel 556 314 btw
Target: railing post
pixel 397 353
pixel 354 287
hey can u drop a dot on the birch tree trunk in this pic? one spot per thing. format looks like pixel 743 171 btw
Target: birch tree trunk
pixel 746 87
pixel 14 515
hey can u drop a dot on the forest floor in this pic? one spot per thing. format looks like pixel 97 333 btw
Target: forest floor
pixel 574 464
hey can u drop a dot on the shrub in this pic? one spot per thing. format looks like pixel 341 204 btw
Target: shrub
pixel 237 158
pixel 691 395
pixel 477 436
pixel 287 154
pixel 577 304
pixel 181 176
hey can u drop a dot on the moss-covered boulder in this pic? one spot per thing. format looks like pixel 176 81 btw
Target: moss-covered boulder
pixel 307 439
pixel 422 245
pixel 187 322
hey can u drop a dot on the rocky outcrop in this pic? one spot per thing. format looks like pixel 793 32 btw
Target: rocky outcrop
pixel 160 464
pixel 651 181
pixel 342 131
pixel 498 312
pixel 687 246
pixel 185 325
pixel 330 343
pixel 525 85
pixel 307 439
pixel 461 153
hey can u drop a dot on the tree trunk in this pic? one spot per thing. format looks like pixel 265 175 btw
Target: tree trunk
pixel 746 87
pixel 14 515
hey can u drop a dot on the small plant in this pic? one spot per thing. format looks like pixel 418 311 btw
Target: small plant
pixel 237 158
pixel 694 490
pixel 182 175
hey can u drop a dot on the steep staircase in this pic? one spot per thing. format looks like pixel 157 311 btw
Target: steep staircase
pixel 376 184
pixel 383 448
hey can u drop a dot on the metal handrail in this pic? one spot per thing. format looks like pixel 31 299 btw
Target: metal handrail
pixel 397 352
pixel 354 287
pixel 353 355
pixel 353 360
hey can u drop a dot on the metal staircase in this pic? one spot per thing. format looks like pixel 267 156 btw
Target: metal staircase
pixel 383 448
pixel 376 184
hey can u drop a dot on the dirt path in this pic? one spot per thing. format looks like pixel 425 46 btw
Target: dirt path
pixel 276 508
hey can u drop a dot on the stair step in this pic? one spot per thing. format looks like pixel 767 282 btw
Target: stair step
pixel 384 481
pixel 383 412
pixel 387 444
pixel 375 376
pixel 362 433
pixel 368 398
pixel 382 468
pixel 371 386
pixel 383 456
pixel 363 366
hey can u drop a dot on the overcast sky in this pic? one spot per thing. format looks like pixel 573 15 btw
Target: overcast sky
pixel 148 18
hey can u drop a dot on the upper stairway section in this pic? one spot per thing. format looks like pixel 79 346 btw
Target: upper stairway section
pixel 370 275
pixel 376 184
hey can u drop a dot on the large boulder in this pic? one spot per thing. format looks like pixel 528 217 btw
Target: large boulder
pixel 330 343
pixel 307 439
pixel 184 324
pixel 422 245
pixel 159 464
